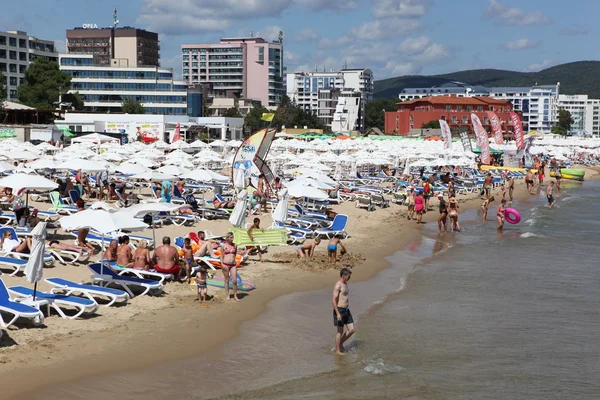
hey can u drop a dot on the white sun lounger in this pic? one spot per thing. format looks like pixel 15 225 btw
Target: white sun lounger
pixel 57 301
pixel 90 291
pixel 107 276
pixel 15 309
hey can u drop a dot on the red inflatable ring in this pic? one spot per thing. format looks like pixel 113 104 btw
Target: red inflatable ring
pixel 512 216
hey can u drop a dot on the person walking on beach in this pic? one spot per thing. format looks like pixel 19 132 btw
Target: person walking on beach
pixel 453 214
pixel 426 195
pixel 419 206
pixel 511 188
pixel 487 185
pixel 485 205
pixel 529 181
pixel 188 258
pixel 166 259
pixel 443 207
pixel 500 212
pixel 201 284
pixel 549 195
pixel 256 225
pixel 332 248
pixel 411 203
pixel 342 317
pixel 228 251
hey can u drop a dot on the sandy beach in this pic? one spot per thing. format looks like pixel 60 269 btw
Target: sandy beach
pixel 149 330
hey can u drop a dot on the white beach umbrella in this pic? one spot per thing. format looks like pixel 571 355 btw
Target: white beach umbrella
pixel 159 144
pixel 234 143
pixel 20 181
pixel 309 182
pixel 154 176
pixel 131 169
pixel 45 147
pixel 140 210
pixel 110 156
pixel 22 155
pixel 281 210
pixel 239 178
pixel 205 175
pixel 102 221
pixel 172 170
pixel 143 161
pixel 238 215
pixel 84 165
pixel 217 143
pixel 4 166
pixel 317 176
pixel 34 270
pixel 198 144
pixel 44 163
pixel 181 162
pixel 307 191
pixel 180 144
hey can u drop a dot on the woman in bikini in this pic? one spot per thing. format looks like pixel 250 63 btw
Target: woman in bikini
pixel 500 212
pixel 83 232
pixel 141 256
pixel 453 214
pixel 511 188
pixel 124 256
pixel 228 251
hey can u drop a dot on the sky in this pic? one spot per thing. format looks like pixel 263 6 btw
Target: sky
pixel 391 37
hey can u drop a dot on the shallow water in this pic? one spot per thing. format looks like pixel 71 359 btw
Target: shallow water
pixel 470 315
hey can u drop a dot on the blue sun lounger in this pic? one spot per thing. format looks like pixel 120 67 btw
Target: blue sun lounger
pixel 15 309
pixel 57 301
pixel 15 263
pixel 338 227
pixel 90 291
pixel 107 276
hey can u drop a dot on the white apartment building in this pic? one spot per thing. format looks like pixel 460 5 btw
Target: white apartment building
pixel 584 111
pixel 314 91
pixel 17 51
pixel 105 87
pixel 538 104
pixel 347 115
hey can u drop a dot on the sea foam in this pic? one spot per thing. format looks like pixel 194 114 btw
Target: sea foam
pixel 378 367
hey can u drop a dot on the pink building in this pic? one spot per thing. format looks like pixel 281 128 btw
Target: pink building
pixel 249 68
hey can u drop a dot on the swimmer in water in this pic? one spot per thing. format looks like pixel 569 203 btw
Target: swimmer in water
pixel 500 212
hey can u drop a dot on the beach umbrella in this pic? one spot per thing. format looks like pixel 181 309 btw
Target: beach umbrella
pixel 131 169
pixel 307 191
pixel 281 210
pixel 337 174
pixel 180 144
pixel 35 264
pixel 319 177
pixel 238 215
pixel 239 178
pixel 22 155
pixel 21 181
pixel 66 131
pixel 44 163
pixel 140 210
pixel 309 182
pixel 198 144
pixel 75 164
pixel 205 175
pixel 4 166
pixel 154 176
pixel 172 169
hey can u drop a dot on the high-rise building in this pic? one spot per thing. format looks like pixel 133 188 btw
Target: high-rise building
pixel 105 87
pixel 584 111
pixel 314 92
pixel 17 51
pixel 249 68
pixel 538 103
pixel 139 47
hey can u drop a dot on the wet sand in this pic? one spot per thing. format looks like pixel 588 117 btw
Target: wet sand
pixel 152 330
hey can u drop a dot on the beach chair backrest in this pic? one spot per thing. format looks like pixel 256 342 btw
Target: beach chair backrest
pixel 339 223
pixel 97 268
pixel 220 198
pixel 9 229
pixel 74 195
pixel 179 241
pixel 176 192
pixel 299 208
pixel 3 291
pixel 55 199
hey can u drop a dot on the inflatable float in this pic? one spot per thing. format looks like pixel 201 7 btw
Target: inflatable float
pixel 218 281
pixel 570 173
pixel 512 216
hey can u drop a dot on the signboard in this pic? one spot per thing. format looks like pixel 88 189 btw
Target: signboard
pixel 89 26
pixel 116 127
pixel 466 142
pixel 148 130
pixel 43 134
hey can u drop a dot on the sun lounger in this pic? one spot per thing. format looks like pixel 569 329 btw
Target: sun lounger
pixel 93 238
pixel 338 227
pixel 59 205
pixel 90 291
pixel 12 262
pixel 107 276
pixel 398 198
pixel 73 256
pixel 15 309
pixel 140 273
pixel 380 201
pixel 57 301
pixel 303 232
pixel 310 214
pixel 364 201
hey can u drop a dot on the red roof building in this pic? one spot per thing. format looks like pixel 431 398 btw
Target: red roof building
pixel 456 111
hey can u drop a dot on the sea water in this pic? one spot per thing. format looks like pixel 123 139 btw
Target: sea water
pixel 478 314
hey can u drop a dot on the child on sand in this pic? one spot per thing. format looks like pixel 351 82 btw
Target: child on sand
pixel 307 249
pixel 188 258
pixel 332 248
pixel 201 284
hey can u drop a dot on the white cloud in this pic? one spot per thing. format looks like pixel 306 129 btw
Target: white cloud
pixel 399 8
pixel 521 44
pixel 506 15
pixel 328 4
pixel 327 43
pixel 174 63
pixel 575 31
pixel 535 67
pixel 306 35
pixel 61 46
pixel 386 28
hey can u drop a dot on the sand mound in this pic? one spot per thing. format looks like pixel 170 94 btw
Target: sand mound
pixel 319 262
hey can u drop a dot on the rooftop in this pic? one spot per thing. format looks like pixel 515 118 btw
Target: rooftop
pixel 474 101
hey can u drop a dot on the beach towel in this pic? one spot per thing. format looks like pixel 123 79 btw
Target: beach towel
pixel 272 237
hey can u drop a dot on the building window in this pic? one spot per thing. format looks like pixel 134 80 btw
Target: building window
pixel 22 56
pixel 448 108
pixel 2 40
pixel 12 55
pixel 458 108
pixel 23 43
pixel 12 68
pixel 479 108
pixel 454 119
pixel 22 69
pixel 469 108
pixel 2 67
pixel 13 81
pixel 12 41
pixel 464 120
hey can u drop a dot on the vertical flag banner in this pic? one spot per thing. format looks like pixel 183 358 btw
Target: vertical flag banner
pixel 482 139
pixel 496 127
pixel 446 133
pixel 518 127
pixel 177 134
pixel 466 142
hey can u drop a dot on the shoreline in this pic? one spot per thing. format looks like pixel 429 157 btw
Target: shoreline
pixel 135 344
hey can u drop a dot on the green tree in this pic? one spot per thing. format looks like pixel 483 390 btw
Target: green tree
pixel 75 99
pixel 232 113
pixel 375 112
pixel 43 84
pixel 565 120
pixel 289 114
pixel 132 107
pixel 253 120
pixel 433 124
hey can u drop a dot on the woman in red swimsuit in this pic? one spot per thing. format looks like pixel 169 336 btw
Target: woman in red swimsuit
pixel 228 252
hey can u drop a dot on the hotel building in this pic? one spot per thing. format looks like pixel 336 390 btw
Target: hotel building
pixel 17 51
pixel 538 104
pixel 105 87
pixel 139 47
pixel 250 68
pixel 584 111
pixel 318 92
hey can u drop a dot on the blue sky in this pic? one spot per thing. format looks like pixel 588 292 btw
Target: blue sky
pixel 392 37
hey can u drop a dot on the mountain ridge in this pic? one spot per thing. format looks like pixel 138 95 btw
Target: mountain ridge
pixel 579 77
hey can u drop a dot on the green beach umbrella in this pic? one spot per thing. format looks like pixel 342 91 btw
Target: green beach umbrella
pixel 66 131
